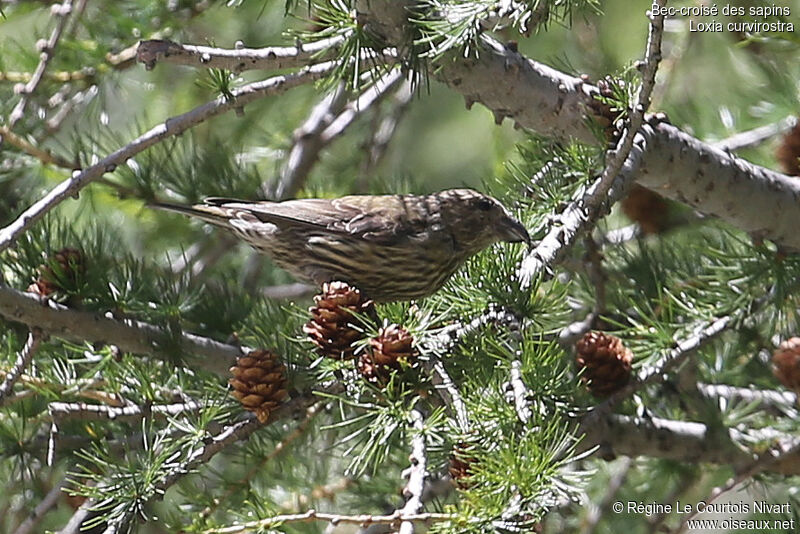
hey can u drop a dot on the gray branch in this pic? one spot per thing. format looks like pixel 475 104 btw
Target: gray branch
pixel 171 127
pixel 519 392
pixel 100 412
pixel 756 136
pixel 681 441
pixel 236 60
pixel 327 121
pixel 47 51
pixel 23 360
pixel 230 435
pixel 127 334
pixel 581 213
pixel 49 501
pixel 658 371
pixel 674 164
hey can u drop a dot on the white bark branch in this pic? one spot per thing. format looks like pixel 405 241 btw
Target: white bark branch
pixel 237 60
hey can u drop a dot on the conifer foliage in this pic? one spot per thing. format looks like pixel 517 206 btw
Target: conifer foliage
pixel 157 375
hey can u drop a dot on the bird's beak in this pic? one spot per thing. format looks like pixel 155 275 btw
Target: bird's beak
pixel 514 232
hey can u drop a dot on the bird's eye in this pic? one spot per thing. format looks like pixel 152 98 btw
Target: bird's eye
pixel 483 204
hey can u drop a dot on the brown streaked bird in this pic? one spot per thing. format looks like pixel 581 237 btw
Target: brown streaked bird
pixel 391 247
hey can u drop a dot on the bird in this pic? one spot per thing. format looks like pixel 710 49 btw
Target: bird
pixel 390 247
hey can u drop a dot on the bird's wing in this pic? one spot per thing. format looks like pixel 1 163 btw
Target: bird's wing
pixel 384 219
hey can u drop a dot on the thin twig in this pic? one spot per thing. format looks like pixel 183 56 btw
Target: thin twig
pixel 45 156
pixel 24 358
pixel 595 513
pixel 47 52
pixel 579 216
pixel 416 474
pixel 756 136
pixel 171 127
pixel 236 60
pixel 48 502
pixel 98 412
pixel 781 400
pixel 382 133
pixel 448 391
pixel 446 340
pixel 519 392
pixel 300 429
pixel 80 515
pixel 288 291
pixel 328 120
pixel 313 515
pixel 53 124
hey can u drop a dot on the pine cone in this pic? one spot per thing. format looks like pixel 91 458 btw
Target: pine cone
pixel 650 210
pixel 63 271
pixel 259 382
pixel 461 460
pixel 786 362
pixel 388 351
pixel 788 152
pixel 605 361
pixel 332 327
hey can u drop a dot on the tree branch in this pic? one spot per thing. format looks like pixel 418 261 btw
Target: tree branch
pixel 625 156
pixel 236 60
pixel 127 334
pixel 674 164
pixel 328 120
pixel 416 474
pixel 228 436
pixel 171 127
pixel 780 401
pixel 47 50
pixel 98 412
pixel 23 360
pixel 313 515
pixel 756 136
pixel 682 441
pixel 581 213
pixel 658 371
pixel 48 502
pixel 45 156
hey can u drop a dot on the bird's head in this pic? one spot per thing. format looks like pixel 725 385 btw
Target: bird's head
pixel 479 220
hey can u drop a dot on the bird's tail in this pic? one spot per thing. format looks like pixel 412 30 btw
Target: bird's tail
pixel 216 215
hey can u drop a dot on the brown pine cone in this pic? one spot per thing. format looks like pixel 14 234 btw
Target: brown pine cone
pixel 388 352
pixel 259 382
pixel 788 152
pixel 333 328
pixel 786 363
pixel 650 210
pixel 63 271
pixel 605 362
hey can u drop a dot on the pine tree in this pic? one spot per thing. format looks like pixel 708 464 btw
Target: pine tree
pixel 158 376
